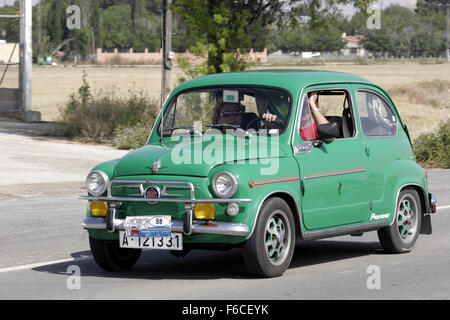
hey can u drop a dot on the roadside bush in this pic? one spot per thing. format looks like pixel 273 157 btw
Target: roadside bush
pixel 131 137
pixel 433 150
pixel 100 118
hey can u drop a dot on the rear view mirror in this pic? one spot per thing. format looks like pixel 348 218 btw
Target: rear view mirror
pixel 328 130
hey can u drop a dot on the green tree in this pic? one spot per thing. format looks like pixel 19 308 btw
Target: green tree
pixel 116 26
pixel 123 29
pixel 407 33
pixel 225 28
pixel 9 28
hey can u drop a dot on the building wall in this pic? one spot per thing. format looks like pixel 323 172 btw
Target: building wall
pixel 353 49
pixel 147 57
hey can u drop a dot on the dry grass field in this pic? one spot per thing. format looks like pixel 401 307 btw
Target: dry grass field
pixel 420 91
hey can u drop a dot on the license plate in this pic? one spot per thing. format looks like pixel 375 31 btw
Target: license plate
pixel 173 242
pixel 147 226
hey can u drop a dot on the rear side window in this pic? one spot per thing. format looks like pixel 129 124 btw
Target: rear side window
pixel 377 118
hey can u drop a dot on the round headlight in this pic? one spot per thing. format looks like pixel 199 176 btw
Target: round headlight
pixel 97 182
pixel 224 184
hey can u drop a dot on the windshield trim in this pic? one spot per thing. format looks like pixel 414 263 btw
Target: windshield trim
pixel 225 86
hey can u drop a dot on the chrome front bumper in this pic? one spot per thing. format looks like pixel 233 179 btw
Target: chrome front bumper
pixel 187 226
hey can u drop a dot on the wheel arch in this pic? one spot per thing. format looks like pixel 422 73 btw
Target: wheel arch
pixel 425 206
pixel 291 202
pixel 423 196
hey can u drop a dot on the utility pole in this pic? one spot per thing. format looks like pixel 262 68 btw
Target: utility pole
pixel 167 50
pixel 26 54
pixel 448 31
pixel 39 29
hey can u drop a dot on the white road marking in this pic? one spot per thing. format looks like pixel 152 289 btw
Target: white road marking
pixel 443 207
pixel 41 264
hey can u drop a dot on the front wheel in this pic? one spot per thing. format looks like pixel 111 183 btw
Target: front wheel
pixel 402 235
pixel 268 252
pixel 110 257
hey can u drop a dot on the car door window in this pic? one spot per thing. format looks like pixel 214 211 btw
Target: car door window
pixel 336 106
pixel 377 118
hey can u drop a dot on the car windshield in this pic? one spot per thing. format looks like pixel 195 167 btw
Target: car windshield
pixel 227 110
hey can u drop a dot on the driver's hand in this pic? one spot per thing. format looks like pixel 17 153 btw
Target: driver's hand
pixel 269 117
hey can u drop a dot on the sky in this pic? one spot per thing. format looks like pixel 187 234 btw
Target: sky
pixel 384 3
pixel 349 10
pixel 9 2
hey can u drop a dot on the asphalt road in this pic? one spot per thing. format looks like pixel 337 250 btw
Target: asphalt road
pixel 42 247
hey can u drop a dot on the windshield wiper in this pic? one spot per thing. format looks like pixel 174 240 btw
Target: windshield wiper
pixel 226 125
pixel 191 129
pixel 221 125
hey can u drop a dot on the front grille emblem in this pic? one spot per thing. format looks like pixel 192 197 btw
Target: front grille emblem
pixel 152 192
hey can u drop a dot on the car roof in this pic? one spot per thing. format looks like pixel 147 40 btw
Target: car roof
pixel 291 79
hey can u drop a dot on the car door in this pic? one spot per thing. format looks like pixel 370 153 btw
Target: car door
pixel 382 143
pixel 333 175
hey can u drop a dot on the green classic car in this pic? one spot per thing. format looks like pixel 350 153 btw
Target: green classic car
pixel 260 160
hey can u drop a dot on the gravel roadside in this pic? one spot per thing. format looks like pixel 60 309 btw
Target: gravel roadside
pixel 32 162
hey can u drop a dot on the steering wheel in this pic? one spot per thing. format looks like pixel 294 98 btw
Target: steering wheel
pixel 277 121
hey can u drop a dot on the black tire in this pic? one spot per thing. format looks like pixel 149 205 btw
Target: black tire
pixel 401 236
pixel 110 257
pixel 268 252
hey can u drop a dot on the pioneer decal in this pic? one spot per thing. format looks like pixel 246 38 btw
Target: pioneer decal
pixel 382 216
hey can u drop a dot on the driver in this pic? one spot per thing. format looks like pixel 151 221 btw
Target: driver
pixel 228 113
pixel 232 113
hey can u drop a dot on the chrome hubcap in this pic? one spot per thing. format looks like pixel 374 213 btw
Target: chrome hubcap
pixel 277 237
pixel 407 218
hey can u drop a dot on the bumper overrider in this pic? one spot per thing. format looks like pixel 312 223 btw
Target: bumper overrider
pixel 187 225
pixel 432 202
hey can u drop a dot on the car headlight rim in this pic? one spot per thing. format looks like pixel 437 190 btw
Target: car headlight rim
pixel 105 180
pixel 224 175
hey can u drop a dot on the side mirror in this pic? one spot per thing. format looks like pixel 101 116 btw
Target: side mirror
pixel 328 130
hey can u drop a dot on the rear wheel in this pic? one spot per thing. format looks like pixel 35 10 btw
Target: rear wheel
pixel 111 257
pixel 402 235
pixel 268 252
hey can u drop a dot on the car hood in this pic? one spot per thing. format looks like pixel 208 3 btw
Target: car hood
pixel 195 158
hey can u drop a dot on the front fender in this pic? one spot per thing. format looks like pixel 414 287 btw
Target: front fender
pixel 107 167
pixel 256 185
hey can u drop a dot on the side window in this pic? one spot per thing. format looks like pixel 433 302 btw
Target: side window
pixel 335 105
pixel 377 118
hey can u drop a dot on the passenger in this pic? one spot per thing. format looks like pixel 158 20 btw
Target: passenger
pixel 308 128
